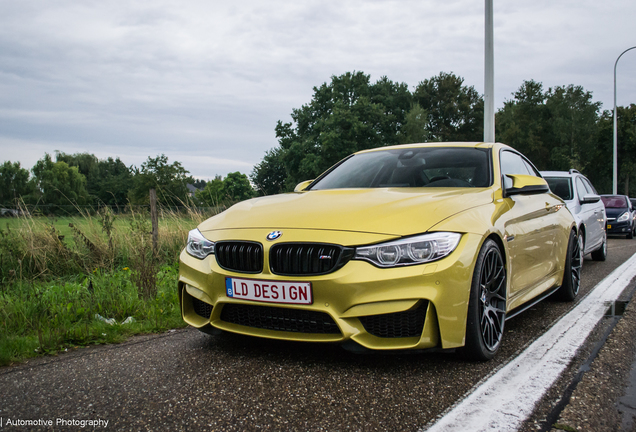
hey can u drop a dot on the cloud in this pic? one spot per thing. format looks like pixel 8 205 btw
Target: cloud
pixel 206 82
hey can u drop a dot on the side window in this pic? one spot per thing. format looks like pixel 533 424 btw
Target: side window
pixel 561 186
pixel 589 186
pixel 512 163
pixel 531 169
pixel 581 190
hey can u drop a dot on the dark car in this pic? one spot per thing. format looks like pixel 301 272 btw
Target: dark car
pixel 620 215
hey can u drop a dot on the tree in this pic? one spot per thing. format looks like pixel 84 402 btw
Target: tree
pixel 415 129
pixel 574 127
pixel 602 174
pixel 523 123
pixel 269 175
pixel 455 112
pixel 344 116
pixel 199 184
pixel 14 183
pixel 86 163
pixel 237 187
pixel 233 188
pixel 557 129
pixel 397 102
pixel 169 180
pixel 107 181
pixel 114 182
pixel 626 137
pixel 56 183
pixel 212 194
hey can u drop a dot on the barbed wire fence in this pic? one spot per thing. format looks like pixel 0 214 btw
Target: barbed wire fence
pixel 92 210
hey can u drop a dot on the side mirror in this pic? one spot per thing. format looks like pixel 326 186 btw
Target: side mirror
pixel 300 187
pixel 590 199
pixel 524 185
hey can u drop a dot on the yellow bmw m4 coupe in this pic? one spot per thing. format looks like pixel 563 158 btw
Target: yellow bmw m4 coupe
pixel 420 246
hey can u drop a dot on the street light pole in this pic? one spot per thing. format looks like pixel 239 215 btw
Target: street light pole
pixel 489 77
pixel 615 179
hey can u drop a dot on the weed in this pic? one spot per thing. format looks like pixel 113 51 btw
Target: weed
pixel 45 318
pixel 58 274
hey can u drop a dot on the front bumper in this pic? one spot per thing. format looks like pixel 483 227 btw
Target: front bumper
pixel 619 228
pixel 412 307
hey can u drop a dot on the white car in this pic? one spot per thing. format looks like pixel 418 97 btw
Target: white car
pixel 586 206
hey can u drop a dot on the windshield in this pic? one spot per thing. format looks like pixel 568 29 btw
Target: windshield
pixel 561 187
pixel 614 201
pixel 412 167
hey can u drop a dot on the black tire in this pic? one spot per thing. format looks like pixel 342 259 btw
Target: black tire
pixel 572 273
pixel 487 305
pixel 600 254
pixel 630 235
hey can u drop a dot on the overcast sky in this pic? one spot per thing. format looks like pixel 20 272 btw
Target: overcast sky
pixel 205 81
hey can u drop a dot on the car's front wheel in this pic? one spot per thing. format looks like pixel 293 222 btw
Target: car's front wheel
pixel 572 273
pixel 487 304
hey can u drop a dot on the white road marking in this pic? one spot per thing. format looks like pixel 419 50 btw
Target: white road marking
pixel 504 400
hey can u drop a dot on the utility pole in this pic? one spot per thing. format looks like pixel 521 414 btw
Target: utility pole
pixel 489 77
pixel 615 176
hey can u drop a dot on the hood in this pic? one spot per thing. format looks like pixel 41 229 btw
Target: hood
pixel 394 211
pixel 615 212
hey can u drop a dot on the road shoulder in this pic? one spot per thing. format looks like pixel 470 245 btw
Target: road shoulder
pixel 597 403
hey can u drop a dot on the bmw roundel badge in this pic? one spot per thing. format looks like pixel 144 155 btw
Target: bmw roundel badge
pixel 274 235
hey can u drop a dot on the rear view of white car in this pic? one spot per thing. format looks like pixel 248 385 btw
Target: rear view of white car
pixel 586 206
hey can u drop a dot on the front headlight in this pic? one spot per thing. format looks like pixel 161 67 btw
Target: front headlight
pixel 623 217
pixel 198 246
pixel 409 251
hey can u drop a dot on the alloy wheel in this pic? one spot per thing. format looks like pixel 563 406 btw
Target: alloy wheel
pixel 493 299
pixel 575 268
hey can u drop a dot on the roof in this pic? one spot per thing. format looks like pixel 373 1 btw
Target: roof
pixel 436 144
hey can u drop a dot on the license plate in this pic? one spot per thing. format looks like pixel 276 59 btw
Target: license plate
pixel 609 227
pixel 269 291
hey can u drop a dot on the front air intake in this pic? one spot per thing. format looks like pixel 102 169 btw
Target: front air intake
pixel 280 319
pixel 409 323
pixel 201 308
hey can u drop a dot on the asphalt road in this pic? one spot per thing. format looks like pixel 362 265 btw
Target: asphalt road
pixel 186 380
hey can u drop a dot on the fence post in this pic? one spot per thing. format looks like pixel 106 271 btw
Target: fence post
pixel 155 220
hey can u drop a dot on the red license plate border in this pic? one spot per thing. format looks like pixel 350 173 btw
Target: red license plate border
pixel 230 290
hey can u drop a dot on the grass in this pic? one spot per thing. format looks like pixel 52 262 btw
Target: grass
pixel 60 278
pixel 47 317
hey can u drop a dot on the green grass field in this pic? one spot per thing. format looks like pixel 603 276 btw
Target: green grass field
pixel 62 277
pixel 88 223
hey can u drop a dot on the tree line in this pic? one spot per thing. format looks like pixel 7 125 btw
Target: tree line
pixel 73 181
pixel 558 129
